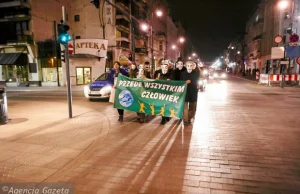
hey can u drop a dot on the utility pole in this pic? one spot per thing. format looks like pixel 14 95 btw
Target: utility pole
pixel 67 68
pixel 56 55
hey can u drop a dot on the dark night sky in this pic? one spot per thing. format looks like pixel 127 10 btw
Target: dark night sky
pixel 212 24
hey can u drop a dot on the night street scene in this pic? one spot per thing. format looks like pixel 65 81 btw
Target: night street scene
pixel 149 96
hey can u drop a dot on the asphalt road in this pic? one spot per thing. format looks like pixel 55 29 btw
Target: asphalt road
pixel 245 139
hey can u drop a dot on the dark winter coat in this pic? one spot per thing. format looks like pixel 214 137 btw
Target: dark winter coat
pixel 162 76
pixel 133 73
pixel 192 88
pixel 176 74
pixel 112 74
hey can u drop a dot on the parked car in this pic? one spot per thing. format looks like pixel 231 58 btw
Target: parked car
pixel 98 89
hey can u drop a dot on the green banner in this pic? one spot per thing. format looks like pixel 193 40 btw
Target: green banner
pixel 152 97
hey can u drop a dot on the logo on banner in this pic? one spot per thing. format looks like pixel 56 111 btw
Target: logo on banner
pixel 126 98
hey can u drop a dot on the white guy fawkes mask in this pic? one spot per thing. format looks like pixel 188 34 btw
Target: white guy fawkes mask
pixel 141 67
pixel 133 67
pixel 180 65
pixel 189 67
pixel 164 69
pixel 140 73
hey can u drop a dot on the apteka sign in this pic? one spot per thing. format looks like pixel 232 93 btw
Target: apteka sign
pixel 96 47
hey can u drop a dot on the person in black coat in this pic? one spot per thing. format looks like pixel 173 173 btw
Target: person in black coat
pixel 191 77
pixel 178 71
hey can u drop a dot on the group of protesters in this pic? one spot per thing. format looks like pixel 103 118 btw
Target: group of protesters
pixel 188 72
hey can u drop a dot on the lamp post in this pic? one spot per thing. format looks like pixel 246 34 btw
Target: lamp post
pixel 158 13
pixel 282 5
pixel 181 41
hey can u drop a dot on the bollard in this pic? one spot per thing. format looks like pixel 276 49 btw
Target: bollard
pixel 3 106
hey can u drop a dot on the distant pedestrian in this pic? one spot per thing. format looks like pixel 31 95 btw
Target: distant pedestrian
pixel 112 78
pixel 191 77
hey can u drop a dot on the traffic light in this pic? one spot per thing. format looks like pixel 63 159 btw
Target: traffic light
pixel 96 3
pixel 63 36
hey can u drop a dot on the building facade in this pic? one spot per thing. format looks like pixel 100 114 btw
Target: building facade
pixel 30 54
pixel 26 24
pixel 254 37
pixel 268 21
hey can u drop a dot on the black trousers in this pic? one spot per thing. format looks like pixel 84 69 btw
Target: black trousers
pixel 121 112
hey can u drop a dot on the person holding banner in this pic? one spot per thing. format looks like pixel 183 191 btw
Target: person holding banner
pixel 164 74
pixel 179 70
pixel 142 74
pixel 112 79
pixel 191 77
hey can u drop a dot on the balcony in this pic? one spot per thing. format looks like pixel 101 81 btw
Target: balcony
pixel 259 21
pixel 123 44
pixel 15 17
pixel 123 24
pixel 21 40
pixel 14 3
pixel 259 37
pixel 123 3
pixel 142 3
pixel 141 50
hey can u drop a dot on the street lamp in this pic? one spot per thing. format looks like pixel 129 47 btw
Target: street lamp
pixel 159 13
pixel 194 54
pixel 232 47
pixel 190 58
pixel 181 39
pixel 239 52
pixel 144 27
pixel 283 4
pixel 173 46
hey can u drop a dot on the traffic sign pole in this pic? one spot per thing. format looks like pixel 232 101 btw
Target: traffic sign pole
pixel 67 69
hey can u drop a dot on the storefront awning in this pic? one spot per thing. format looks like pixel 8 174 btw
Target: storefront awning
pixel 83 56
pixel 13 59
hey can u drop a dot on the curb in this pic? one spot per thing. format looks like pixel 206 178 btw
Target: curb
pixel 245 79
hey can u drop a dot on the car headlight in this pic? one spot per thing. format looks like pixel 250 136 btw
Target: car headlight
pixel 86 89
pixel 106 89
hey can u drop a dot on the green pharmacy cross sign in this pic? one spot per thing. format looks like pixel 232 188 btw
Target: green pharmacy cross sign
pixel 152 97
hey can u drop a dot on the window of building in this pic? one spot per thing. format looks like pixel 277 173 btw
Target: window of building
pixel 257 18
pixel 77 18
pixel 77 37
pixel 161 45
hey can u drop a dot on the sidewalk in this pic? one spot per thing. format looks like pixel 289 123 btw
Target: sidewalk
pixel 247 77
pixel 44 88
pixel 40 139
